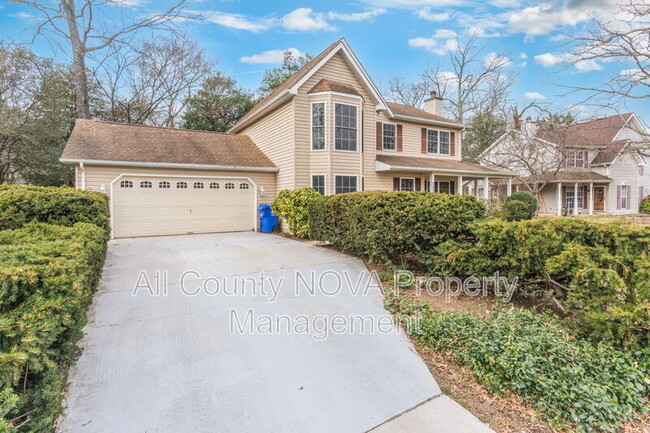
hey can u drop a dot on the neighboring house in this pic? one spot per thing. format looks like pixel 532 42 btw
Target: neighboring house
pixel 591 167
pixel 326 127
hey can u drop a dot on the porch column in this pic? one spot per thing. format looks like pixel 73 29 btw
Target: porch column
pixel 509 187
pixel 575 199
pixel 559 199
pixel 591 198
pixel 460 185
pixel 487 188
pixel 432 182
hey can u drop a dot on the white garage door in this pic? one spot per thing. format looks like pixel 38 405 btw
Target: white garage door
pixel 154 206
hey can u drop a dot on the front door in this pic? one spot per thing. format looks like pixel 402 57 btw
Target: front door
pixel 599 198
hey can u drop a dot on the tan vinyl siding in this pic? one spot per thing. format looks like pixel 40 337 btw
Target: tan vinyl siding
pixel 96 176
pixel 333 162
pixel 274 135
pixel 412 136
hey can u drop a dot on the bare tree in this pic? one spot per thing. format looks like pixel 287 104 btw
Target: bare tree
pixel 75 22
pixel 624 37
pixel 535 150
pixel 474 79
pixel 406 92
pixel 152 82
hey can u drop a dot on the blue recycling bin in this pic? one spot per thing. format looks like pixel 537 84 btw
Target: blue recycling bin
pixel 268 221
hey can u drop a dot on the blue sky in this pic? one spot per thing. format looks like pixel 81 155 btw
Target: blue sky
pixel 390 37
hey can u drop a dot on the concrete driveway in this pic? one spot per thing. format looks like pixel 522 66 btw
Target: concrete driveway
pixel 201 348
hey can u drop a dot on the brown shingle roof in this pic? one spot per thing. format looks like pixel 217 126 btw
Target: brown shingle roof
pixel 110 141
pixel 607 155
pixel 407 110
pixel 332 86
pixel 288 83
pixel 437 164
pixel 572 176
pixel 598 132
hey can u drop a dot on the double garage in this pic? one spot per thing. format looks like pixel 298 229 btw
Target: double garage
pixel 168 181
pixel 159 205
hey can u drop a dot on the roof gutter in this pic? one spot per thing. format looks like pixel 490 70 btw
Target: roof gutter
pixel 165 165
pixel 279 99
pixel 428 121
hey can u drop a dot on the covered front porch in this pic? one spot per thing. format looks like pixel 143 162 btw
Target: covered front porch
pixel 445 176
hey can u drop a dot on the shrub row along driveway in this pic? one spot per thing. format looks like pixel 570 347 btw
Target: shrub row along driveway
pixel 170 364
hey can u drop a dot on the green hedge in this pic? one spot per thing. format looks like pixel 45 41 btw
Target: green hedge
pixel 603 268
pixel 570 382
pixel 293 207
pixel 395 227
pixel 20 205
pixel 52 249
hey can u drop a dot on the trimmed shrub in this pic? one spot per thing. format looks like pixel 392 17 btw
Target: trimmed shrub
pixel 602 268
pixel 47 277
pixel 293 207
pixel 515 210
pixel 569 381
pixel 66 206
pixel 393 227
pixel 644 207
pixel 526 197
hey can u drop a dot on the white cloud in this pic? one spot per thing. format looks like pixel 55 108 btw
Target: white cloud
pixel 587 65
pixel 495 60
pixel 523 56
pixel 481 33
pixel 534 95
pixel 128 3
pixel 549 59
pixel 305 19
pixel 235 21
pixel 25 16
pixel 444 34
pixel 426 43
pixel 426 14
pixel 270 56
pixel 359 16
pixel 541 19
pixel 413 4
pixel 577 107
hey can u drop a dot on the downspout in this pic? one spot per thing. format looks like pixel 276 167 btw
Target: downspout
pixel 82 170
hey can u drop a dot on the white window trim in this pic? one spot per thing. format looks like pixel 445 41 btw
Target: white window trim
pixel 334 127
pixel 382 137
pixel 427 142
pixel 311 180
pixel 406 178
pixel 311 125
pixel 572 159
pixel 625 195
pixel 436 186
pixel 346 175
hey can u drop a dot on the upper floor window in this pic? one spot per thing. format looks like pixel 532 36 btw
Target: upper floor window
pixel 345 127
pixel 343 184
pixel 389 136
pixel 438 142
pixel 318 126
pixel 575 159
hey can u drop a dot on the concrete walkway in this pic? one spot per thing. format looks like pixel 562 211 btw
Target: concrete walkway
pixel 199 347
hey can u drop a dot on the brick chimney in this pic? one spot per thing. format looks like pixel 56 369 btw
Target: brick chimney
pixel 433 104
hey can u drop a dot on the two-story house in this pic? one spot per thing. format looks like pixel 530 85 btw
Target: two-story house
pixel 327 127
pixel 590 167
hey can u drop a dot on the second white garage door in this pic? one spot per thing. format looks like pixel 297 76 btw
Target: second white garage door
pixel 155 206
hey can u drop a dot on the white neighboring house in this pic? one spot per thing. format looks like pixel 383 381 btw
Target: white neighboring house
pixel 585 168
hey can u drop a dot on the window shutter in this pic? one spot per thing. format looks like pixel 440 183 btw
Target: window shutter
pixel 380 135
pixel 585 159
pixel 418 184
pixel 452 187
pixel 640 194
pixel 585 197
pixel 396 184
pixel 564 198
pixel 452 143
pixel 618 196
pixel 424 140
pixel 399 138
pixel 629 197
